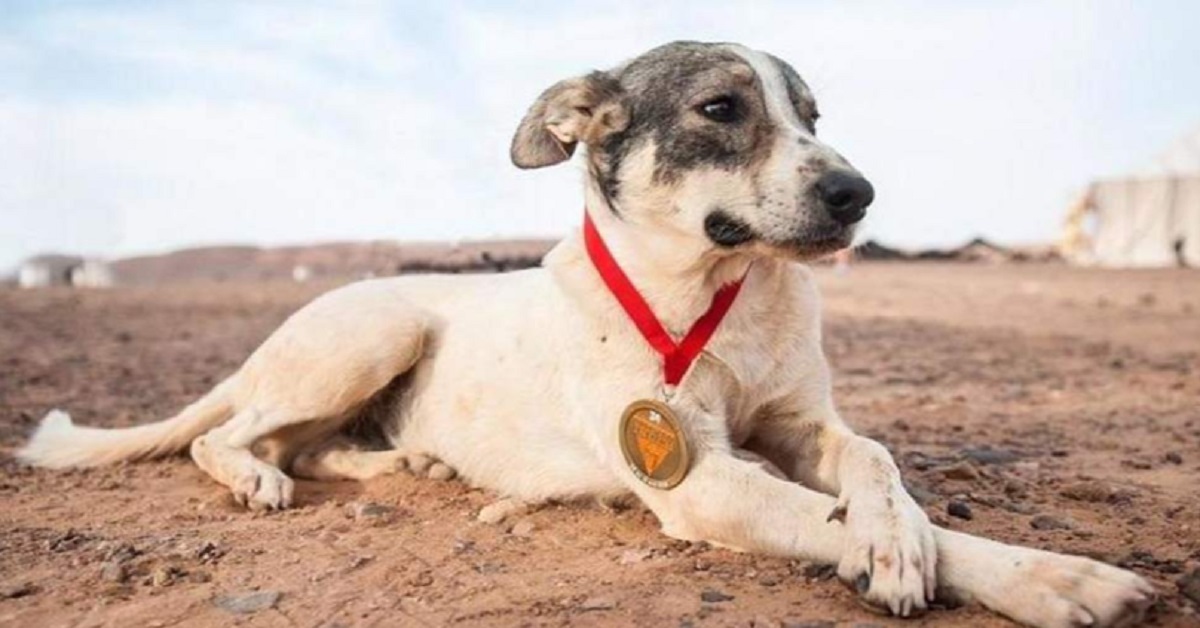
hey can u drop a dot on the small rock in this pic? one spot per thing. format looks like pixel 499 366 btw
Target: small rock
pixel 814 571
pixel 597 604
pixel 629 557
pixel 1173 457
pixel 988 455
pixel 497 512
pixel 808 623
pixel 959 509
pixel 371 513
pixel 209 552
pixel 163 576
pixel 14 591
pixel 959 471
pixel 1047 522
pixel 1090 491
pixel 248 603
pixel 422 579
pixel 768 580
pixel 714 596
pixel 523 528
pixel 1189 586
pixel 763 622
pixel 113 571
pixel 1021 508
pixel 441 472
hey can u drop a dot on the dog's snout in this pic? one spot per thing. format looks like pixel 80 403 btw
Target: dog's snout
pixel 845 195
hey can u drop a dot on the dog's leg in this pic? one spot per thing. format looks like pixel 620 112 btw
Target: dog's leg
pixel 737 503
pixel 338 459
pixel 1032 586
pixel 313 374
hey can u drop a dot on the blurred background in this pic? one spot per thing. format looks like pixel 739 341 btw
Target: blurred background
pixel 132 127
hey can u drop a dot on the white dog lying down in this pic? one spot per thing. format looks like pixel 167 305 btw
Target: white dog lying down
pixel 703 170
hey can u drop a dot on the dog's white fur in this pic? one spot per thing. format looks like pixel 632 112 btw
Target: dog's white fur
pixel 517 382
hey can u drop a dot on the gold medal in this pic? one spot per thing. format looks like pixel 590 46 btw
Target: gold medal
pixel 654 444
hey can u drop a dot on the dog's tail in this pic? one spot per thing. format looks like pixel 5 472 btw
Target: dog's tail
pixel 58 443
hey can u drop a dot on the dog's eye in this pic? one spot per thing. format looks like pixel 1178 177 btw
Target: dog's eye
pixel 723 109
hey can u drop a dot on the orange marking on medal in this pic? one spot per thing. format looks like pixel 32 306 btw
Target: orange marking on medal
pixel 654 441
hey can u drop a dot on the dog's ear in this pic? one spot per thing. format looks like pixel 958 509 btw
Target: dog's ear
pixel 585 109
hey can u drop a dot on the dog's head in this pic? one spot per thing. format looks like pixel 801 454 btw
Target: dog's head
pixel 713 140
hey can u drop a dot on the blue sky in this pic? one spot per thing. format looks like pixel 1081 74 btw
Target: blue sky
pixel 133 127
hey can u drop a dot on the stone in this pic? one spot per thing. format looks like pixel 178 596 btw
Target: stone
pixel 113 571
pixel 371 513
pixel 1189 586
pixel 989 456
pixel 631 556
pixel 1048 522
pixel 523 528
pixel 959 509
pixel 248 603
pixel 959 471
pixel 714 596
pixel 597 604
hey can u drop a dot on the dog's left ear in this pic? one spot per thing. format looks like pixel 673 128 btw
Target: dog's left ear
pixel 585 109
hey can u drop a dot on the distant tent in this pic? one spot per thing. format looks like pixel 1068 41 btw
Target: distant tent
pixel 1150 218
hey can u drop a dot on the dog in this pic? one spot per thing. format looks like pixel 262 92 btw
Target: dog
pixel 703 171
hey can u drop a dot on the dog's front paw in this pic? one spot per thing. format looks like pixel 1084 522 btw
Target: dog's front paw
pixel 890 556
pixel 1054 590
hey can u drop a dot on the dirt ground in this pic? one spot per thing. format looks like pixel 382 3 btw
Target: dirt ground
pixel 1061 407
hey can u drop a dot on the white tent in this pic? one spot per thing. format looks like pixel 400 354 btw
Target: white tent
pixel 1150 218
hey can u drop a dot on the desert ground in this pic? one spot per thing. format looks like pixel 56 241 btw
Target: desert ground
pixel 1039 404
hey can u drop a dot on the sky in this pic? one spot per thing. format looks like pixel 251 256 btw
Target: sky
pixel 129 127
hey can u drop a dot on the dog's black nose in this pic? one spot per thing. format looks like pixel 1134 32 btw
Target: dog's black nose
pixel 845 195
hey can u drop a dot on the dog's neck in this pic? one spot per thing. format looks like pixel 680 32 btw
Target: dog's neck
pixel 676 273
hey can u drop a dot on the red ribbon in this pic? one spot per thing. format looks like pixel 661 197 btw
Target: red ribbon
pixel 677 357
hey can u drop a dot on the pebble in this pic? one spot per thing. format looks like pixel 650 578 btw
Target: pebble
pixel 809 623
pixel 523 528
pixel 441 472
pixel 1173 457
pixel 959 509
pixel 814 571
pixel 631 556
pixel 247 603
pixel 371 513
pixel 988 455
pixel 1189 586
pixel 497 512
pixel 163 576
pixel 597 604
pixel 14 591
pixel 422 579
pixel 1047 522
pixel 960 471
pixel 1090 491
pixel 714 596
pixel 113 571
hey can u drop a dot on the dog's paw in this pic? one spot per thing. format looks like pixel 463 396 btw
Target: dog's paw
pixel 1053 590
pixel 263 487
pixel 890 556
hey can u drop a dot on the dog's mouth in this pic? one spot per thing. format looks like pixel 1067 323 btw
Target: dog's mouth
pixel 810 246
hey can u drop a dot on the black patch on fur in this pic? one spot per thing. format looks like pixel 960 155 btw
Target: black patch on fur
pixel 727 231
pixel 798 93
pixel 659 87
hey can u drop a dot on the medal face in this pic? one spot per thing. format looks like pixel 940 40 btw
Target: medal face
pixel 654 445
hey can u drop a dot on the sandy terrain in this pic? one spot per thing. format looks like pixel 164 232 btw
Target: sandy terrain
pixel 1060 407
